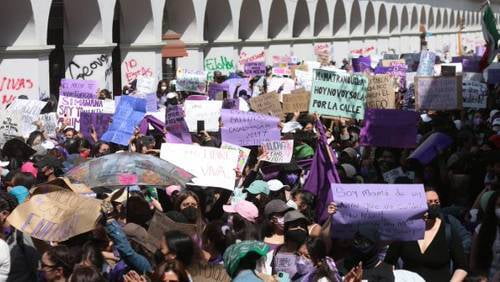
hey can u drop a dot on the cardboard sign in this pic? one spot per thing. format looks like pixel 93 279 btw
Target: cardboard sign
pixel 24 113
pixel 297 101
pixel 79 88
pixel 146 84
pixel 255 68
pixel 208 111
pixel 129 114
pixel 268 103
pixel 212 167
pixel 395 210
pixel 475 94
pixel 381 92
pixel 243 154
pixel 338 94
pixel 390 128
pixel 426 66
pixel 98 121
pixel 438 93
pixel 56 216
pixel 391 57
pixel 176 127
pixel 160 224
pixel 279 152
pixel 191 81
pixel 248 128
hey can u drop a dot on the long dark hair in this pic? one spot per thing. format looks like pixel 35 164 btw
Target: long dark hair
pixel 317 251
pixel 486 236
pixel 181 245
pixel 62 257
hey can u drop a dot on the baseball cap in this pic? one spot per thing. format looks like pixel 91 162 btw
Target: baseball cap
pixel 276 185
pixel 496 121
pixel 258 187
pixel 350 170
pixel 21 193
pixel 171 189
pixel 276 206
pixel 30 168
pixel 244 208
pixel 49 161
pixel 294 215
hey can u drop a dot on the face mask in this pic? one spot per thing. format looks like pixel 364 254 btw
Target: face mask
pixel 298 236
pixel 497 213
pixel 280 221
pixel 163 88
pixel 191 213
pixel 292 204
pixel 433 211
pixel 304 265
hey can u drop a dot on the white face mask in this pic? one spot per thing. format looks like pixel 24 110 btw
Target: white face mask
pixel 497 213
pixel 163 88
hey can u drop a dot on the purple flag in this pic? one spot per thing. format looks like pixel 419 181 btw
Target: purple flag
pixel 99 121
pixel 389 128
pixel 177 129
pixel 361 64
pixel 322 175
pixel 248 128
pixel 431 147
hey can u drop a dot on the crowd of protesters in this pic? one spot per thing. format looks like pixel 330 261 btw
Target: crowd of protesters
pixel 269 218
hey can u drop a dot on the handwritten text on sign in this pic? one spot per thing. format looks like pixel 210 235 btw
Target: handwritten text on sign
pixel 297 101
pixel 194 81
pixel 395 210
pixel 438 93
pixel 338 94
pixel 381 94
pixel 247 128
pixel 56 216
pixel 211 166
pixel 277 151
pixel 268 103
pixel 474 94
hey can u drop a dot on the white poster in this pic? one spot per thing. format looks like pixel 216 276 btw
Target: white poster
pixel 211 166
pixel 24 113
pixel 208 111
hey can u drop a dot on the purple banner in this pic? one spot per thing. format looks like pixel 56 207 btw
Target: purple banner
pixel 395 210
pixel 235 82
pixel 389 128
pixel 97 121
pixel 78 88
pixel 215 88
pixel 471 64
pixel 398 71
pixel 361 64
pixel 431 147
pixel 493 76
pixel 248 128
pixel 255 68
pixel 177 129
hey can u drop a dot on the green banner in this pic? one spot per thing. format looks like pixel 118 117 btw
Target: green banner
pixel 338 94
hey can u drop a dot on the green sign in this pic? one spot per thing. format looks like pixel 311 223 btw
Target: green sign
pixel 338 94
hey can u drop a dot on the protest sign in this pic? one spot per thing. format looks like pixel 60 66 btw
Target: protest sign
pixel 438 93
pixel 177 129
pixel 71 107
pixel 279 152
pixel 24 113
pixel 231 104
pixel 56 216
pixel 248 128
pixel 192 81
pixel 146 84
pixel 338 94
pixel 391 175
pixel 215 88
pixel 211 166
pixel 493 75
pixel 304 79
pixel 412 61
pixel 471 64
pixel 280 84
pixel 49 123
pixel 240 83
pixel 472 76
pixel 245 57
pixel 151 102
pixel 381 92
pixel 281 71
pixel 322 48
pixel 426 66
pixel 268 103
pixel 285 262
pixel 243 154
pixel 79 88
pixel 129 114
pixel 390 128
pixel 391 57
pixel 448 70
pixel 389 63
pixel 474 94
pixel 396 210
pixel 361 64
pixel 431 147
pixel 297 101
pixel 255 68
pixel 97 121
pixel 208 111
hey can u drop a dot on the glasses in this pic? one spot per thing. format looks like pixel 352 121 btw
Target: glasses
pixel 44 265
